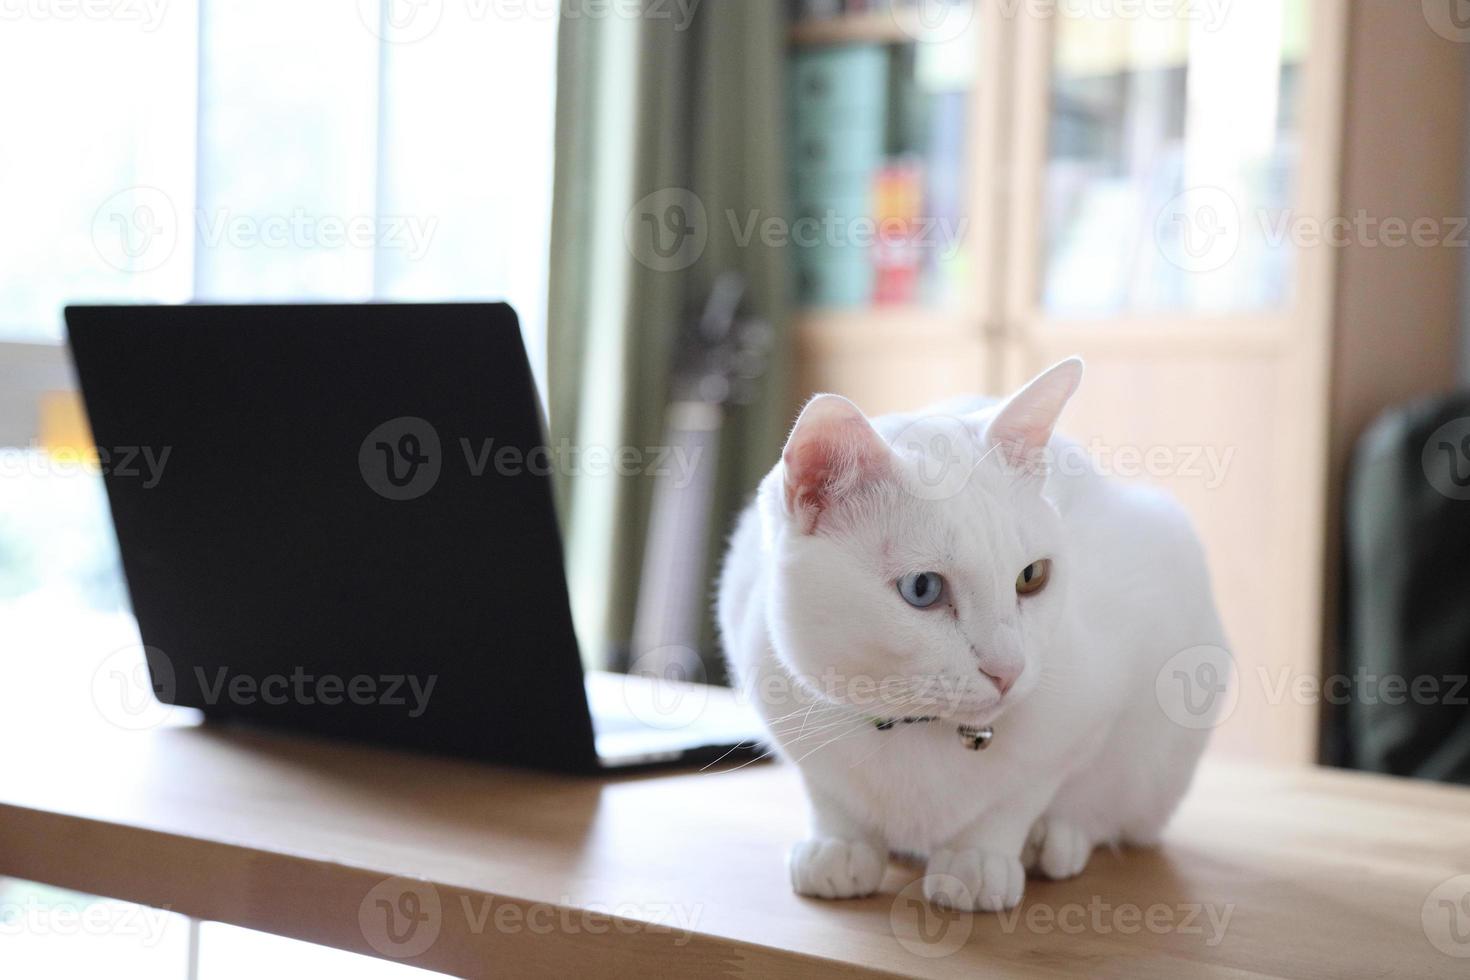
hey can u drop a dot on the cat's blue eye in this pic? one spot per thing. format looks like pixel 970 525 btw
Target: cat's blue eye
pixel 921 589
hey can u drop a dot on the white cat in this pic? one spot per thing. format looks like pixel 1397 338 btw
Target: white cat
pixel 899 584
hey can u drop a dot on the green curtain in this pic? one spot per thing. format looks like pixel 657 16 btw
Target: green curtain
pixel 686 106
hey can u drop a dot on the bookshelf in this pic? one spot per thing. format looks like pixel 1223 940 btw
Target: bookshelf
pixel 885 128
pixel 894 26
pixel 1091 149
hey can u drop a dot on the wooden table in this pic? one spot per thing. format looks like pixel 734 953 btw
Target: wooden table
pixel 477 871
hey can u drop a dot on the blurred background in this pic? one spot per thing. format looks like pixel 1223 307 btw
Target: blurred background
pixel 1249 218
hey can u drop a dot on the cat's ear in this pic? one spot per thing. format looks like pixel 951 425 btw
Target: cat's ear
pixel 1023 425
pixel 832 452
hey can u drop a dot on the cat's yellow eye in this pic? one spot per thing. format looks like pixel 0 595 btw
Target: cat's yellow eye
pixel 1033 577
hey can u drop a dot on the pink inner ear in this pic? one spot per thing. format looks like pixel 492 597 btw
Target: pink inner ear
pixel 1024 425
pixel 832 452
pixel 1022 436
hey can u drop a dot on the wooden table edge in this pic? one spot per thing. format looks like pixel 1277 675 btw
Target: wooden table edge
pixel 334 904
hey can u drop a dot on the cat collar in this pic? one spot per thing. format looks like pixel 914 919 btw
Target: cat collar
pixel 971 737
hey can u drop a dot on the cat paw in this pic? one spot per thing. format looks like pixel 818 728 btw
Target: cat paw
pixel 974 881
pixel 827 868
pixel 1056 848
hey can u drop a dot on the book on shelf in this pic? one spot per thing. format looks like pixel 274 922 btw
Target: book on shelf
pixel 898 203
pixel 830 9
pixel 839 107
pixel 817 9
pixel 945 193
pixel 878 175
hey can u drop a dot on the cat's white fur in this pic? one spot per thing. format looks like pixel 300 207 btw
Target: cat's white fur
pixel 819 638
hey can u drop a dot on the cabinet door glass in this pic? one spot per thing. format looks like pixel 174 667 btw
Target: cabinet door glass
pixel 1171 165
pixel 879 155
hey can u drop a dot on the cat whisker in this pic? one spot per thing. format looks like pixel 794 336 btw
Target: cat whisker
pixel 815 705
pixel 851 731
pixel 983 457
pixel 843 712
pixel 881 746
pixel 764 755
pixel 726 754
pixel 821 718
pixel 802 733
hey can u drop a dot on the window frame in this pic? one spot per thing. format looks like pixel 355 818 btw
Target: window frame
pixel 27 372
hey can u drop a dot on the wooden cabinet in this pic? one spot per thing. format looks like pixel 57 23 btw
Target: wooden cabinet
pixel 1176 198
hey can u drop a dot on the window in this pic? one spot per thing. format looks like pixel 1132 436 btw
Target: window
pixel 227 150
pixel 237 150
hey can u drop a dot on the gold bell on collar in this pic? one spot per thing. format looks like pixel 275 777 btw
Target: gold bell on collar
pixel 976 739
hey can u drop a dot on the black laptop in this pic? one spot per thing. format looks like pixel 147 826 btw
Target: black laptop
pixel 347 528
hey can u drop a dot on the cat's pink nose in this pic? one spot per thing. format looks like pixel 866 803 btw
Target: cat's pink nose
pixel 1003 678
